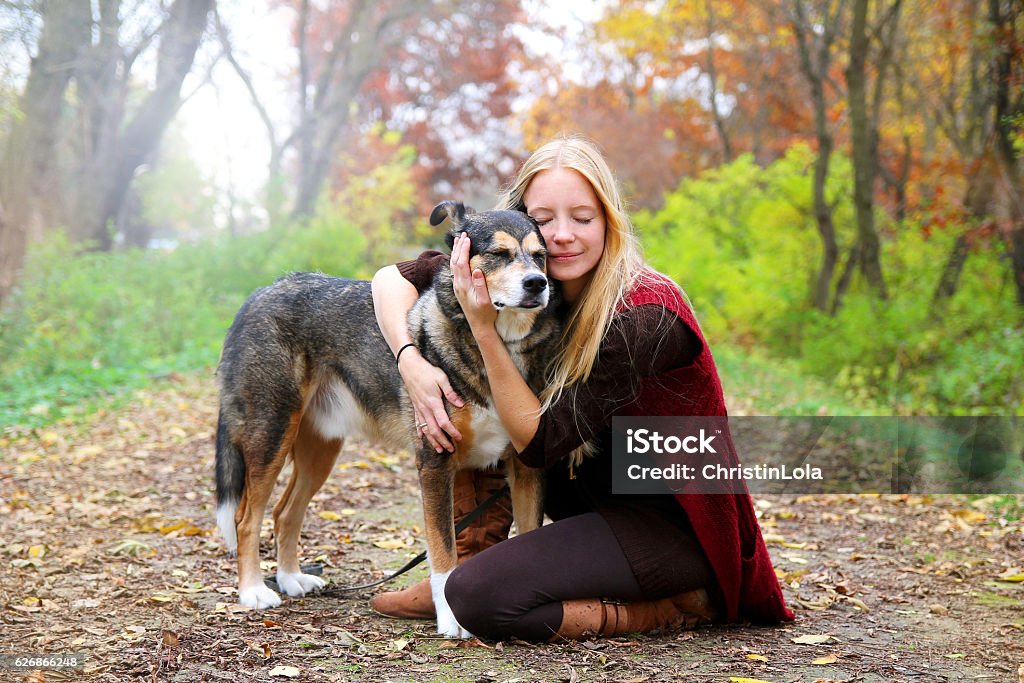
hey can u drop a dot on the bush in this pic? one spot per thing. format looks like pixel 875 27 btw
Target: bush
pixel 743 242
pixel 84 323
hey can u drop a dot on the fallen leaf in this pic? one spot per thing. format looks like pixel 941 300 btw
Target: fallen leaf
pixel 812 639
pixel 1012 576
pixel 760 658
pixel 734 679
pixel 129 546
pixel 855 602
pixel 330 516
pixel 85 603
pixel 27 609
pixel 285 672
pixel 173 526
pixel 133 632
pixel 49 438
pixel 971 516
pixel 827 659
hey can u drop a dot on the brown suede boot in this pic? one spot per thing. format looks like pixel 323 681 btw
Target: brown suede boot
pixel 594 617
pixel 470 489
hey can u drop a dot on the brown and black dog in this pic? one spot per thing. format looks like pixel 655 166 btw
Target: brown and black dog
pixel 304 366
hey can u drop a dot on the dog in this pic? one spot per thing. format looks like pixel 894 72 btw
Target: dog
pixel 304 366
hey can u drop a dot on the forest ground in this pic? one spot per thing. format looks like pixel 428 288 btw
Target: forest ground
pixel 107 548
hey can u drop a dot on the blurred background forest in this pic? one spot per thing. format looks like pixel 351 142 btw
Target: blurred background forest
pixel 836 183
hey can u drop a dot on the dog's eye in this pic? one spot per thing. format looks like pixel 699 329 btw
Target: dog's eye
pixel 500 253
pixel 538 257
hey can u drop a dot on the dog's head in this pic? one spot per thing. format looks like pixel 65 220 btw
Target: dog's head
pixel 507 246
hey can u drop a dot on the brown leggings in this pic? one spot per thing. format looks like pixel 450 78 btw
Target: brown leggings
pixel 515 589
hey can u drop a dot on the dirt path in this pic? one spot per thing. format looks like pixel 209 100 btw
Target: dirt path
pixel 106 548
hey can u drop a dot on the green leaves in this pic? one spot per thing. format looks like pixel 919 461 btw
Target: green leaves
pixel 743 243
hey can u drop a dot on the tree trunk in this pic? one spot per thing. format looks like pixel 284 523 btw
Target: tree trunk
pixel 845 279
pixel 368 34
pixel 1006 111
pixel 116 164
pixel 1017 260
pixel 814 66
pixel 950 279
pixel 826 228
pixel 720 126
pixel 27 197
pixel 864 156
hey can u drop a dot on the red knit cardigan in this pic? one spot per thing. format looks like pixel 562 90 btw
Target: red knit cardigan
pixel 725 524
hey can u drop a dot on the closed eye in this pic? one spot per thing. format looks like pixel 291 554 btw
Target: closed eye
pixel 501 253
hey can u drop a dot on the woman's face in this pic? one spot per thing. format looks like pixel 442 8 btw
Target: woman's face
pixel 572 222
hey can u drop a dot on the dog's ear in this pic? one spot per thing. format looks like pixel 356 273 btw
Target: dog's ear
pixel 455 211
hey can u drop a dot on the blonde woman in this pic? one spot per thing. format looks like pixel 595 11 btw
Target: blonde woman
pixel 608 564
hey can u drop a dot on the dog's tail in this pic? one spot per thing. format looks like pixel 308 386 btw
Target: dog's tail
pixel 230 482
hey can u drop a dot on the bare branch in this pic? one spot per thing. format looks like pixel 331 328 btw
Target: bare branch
pixel 229 54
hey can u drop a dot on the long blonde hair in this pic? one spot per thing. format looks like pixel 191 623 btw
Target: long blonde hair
pixel 621 263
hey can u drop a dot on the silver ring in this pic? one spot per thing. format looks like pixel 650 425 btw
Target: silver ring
pixel 422 426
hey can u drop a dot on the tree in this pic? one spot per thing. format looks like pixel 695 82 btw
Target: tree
pixel 721 64
pixel 361 63
pixel 815 27
pixel 864 129
pixel 971 58
pixel 79 175
pixel 672 147
pixel 29 170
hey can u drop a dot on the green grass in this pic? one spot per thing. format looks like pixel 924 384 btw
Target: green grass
pixel 770 386
pixel 84 328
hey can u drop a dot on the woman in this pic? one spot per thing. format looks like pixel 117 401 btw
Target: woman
pixel 609 564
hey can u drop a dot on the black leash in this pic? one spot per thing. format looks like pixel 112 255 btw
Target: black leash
pixel 318 568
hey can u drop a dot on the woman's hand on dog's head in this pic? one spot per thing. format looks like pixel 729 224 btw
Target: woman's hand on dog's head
pixel 471 289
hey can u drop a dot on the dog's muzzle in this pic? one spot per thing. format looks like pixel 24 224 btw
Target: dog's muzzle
pixel 535 291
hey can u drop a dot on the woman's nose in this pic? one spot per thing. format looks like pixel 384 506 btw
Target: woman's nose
pixel 562 231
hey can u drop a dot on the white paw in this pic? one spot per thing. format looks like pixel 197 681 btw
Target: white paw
pixel 259 597
pixel 298 584
pixel 447 624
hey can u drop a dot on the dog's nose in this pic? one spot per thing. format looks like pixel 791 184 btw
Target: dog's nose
pixel 535 284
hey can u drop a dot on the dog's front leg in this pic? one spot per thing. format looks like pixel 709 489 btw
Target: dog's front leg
pixel 436 479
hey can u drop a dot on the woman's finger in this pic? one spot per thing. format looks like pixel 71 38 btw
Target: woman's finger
pixel 436 418
pixel 480 292
pixel 452 397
